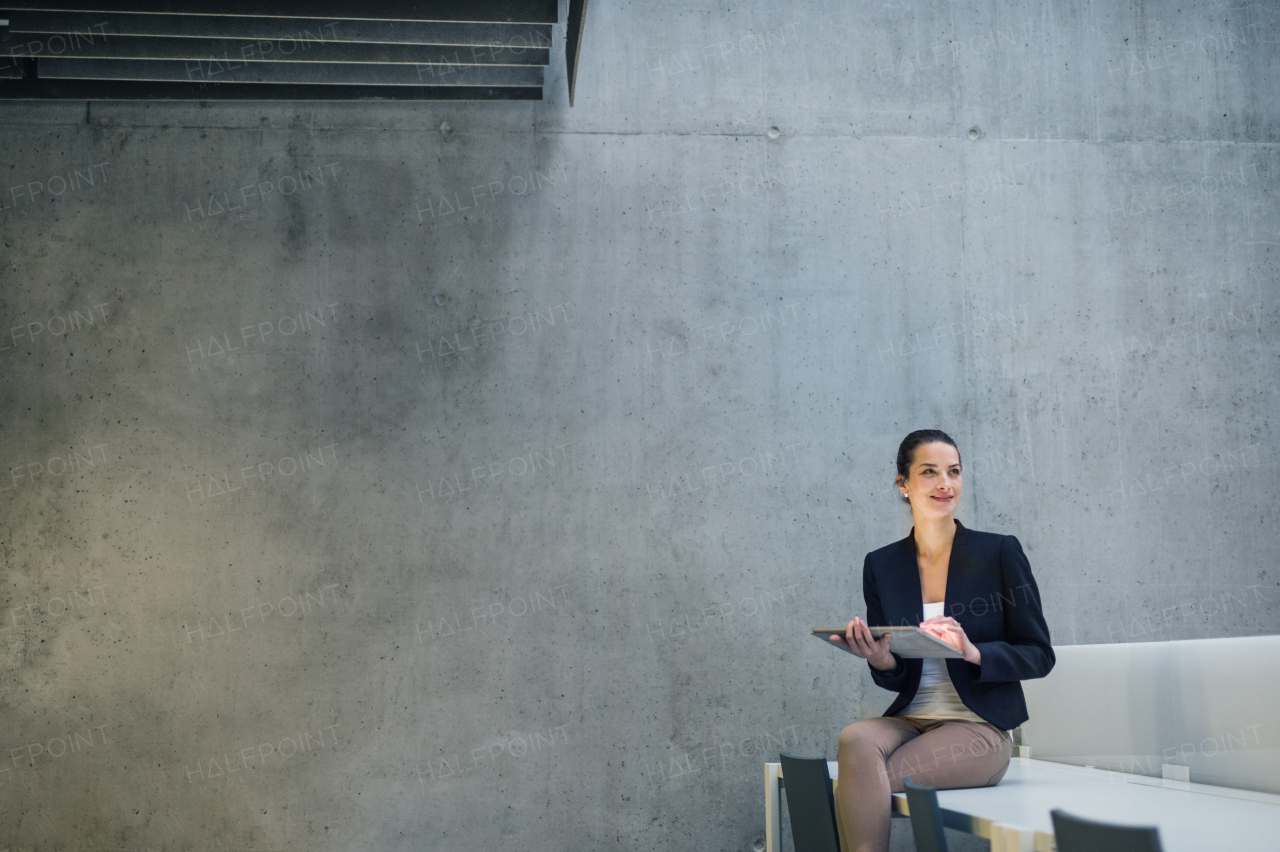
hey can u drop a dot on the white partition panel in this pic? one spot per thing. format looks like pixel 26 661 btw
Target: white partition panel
pixel 1210 705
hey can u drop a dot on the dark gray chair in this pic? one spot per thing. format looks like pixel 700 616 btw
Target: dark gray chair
pixel 926 818
pixel 1076 834
pixel 810 803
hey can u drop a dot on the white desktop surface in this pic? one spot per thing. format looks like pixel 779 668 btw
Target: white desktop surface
pixel 1191 817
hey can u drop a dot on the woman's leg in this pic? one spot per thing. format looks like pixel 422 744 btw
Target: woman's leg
pixel 862 792
pixel 954 754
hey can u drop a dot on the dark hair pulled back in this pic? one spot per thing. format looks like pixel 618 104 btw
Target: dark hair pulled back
pixel 907 450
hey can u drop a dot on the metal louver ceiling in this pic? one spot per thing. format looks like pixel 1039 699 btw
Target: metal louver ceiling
pixel 292 50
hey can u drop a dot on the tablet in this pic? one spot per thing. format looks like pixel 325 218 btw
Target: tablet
pixel 907 642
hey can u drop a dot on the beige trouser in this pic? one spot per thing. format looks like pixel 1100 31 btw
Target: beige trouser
pixel 876 754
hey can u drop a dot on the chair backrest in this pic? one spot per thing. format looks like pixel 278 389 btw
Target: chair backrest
pixel 1076 834
pixel 926 818
pixel 1208 704
pixel 812 807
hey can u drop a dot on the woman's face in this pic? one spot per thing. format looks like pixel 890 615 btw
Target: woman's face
pixel 933 481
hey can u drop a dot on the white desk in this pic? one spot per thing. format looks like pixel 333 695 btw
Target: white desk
pixel 1014 815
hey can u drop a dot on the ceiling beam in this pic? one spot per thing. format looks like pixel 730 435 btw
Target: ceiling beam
pixel 313 73
pixel 78 26
pixel 232 51
pixel 573 42
pixel 32 88
pixel 470 11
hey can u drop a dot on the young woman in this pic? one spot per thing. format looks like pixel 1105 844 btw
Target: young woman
pixel 947 727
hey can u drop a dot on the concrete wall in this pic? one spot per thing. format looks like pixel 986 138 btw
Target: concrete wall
pixel 354 519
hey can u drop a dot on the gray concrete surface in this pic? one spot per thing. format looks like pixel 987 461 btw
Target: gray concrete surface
pixel 414 489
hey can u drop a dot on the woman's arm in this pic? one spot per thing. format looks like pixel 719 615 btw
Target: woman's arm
pixel 894 679
pixel 1026 653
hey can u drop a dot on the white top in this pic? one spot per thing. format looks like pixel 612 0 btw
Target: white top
pixel 937 697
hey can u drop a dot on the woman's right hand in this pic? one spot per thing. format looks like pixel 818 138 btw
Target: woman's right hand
pixel 857 637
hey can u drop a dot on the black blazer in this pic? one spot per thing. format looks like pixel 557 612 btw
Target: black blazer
pixel 991 592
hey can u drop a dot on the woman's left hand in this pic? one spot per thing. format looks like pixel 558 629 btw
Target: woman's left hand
pixel 956 637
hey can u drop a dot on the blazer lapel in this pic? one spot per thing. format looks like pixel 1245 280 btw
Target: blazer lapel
pixel 955 566
pixel 909 571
